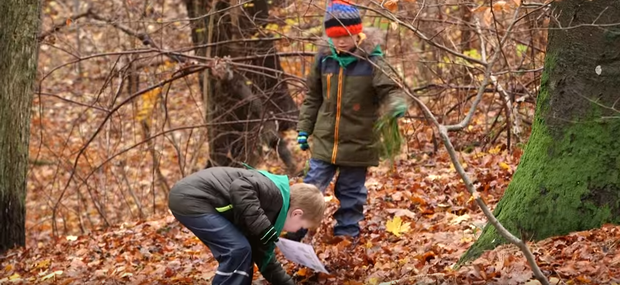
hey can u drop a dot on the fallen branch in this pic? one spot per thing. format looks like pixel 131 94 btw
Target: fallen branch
pixel 443 131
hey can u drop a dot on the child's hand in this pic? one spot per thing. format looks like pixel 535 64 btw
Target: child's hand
pixel 302 140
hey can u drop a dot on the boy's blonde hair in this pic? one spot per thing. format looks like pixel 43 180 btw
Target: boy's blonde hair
pixel 309 199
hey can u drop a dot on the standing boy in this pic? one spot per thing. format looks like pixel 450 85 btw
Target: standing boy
pixel 239 215
pixel 347 86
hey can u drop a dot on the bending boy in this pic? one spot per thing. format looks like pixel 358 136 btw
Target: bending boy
pixel 239 215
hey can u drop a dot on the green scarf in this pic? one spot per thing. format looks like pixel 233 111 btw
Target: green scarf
pixel 282 182
pixel 346 59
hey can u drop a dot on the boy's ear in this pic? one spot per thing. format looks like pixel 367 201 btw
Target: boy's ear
pixel 297 212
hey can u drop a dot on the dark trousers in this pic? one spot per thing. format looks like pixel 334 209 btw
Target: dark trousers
pixel 349 190
pixel 228 245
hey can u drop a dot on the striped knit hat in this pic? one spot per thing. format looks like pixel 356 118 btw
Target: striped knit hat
pixel 342 19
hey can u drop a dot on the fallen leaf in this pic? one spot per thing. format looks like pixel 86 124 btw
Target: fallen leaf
pixel 43 264
pixel 402 212
pixel 126 274
pixel 396 226
pixel 459 219
pixel 53 274
pixel 15 276
pixel 302 272
pixel 504 166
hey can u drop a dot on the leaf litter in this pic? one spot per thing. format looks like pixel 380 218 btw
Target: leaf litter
pixel 419 220
pixel 414 232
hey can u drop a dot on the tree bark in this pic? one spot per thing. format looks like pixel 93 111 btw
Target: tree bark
pixel 231 144
pixel 568 178
pixel 19 27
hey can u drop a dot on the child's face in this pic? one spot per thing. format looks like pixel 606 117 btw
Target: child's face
pixel 345 43
pixel 295 222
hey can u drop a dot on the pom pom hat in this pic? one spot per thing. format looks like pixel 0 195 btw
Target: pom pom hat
pixel 342 19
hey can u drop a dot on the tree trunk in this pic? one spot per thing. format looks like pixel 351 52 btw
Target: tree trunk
pixel 569 176
pixel 231 144
pixel 19 26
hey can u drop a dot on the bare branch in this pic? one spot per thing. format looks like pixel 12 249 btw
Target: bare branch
pixel 421 35
pixel 74 102
pixel 180 74
pixel 512 115
pixel 57 27
pixel 485 80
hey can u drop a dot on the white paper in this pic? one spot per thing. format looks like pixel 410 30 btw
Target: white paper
pixel 300 253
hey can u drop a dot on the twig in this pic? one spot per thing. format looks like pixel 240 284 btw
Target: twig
pixel 144 37
pixel 130 189
pixel 74 102
pixel 485 80
pixel 513 117
pixel 57 27
pixel 423 36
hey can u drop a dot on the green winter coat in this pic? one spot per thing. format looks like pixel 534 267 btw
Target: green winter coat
pixel 343 102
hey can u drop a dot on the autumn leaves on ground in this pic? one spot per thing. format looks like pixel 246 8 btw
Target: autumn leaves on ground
pixel 99 173
pixel 418 223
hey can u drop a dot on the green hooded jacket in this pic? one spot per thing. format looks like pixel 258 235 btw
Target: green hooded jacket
pixel 346 94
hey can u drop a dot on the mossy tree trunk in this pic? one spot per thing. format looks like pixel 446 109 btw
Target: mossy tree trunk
pixel 231 144
pixel 19 26
pixel 568 178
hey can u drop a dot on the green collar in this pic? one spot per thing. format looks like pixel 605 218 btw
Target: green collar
pixel 345 60
pixel 282 182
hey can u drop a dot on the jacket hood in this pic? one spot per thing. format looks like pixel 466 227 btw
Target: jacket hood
pixel 373 38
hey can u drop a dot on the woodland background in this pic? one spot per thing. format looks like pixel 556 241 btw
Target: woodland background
pixel 117 120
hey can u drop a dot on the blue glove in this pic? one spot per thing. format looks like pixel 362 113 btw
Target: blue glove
pixel 302 140
pixel 399 110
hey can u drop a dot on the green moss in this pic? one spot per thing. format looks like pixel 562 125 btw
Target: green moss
pixel 569 176
pixel 563 184
pixel 545 86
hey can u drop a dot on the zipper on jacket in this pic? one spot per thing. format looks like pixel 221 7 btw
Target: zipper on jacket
pixel 329 84
pixel 338 107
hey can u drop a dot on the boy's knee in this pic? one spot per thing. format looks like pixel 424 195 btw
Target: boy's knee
pixel 241 250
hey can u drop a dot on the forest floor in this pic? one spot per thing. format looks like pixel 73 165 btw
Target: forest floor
pixel 436 223
pixel 87 159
